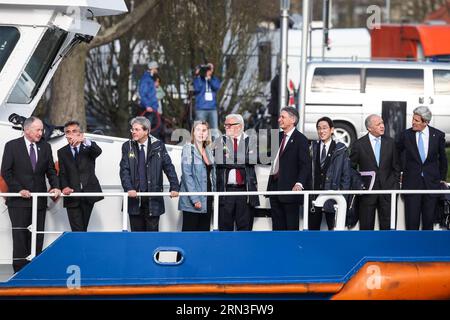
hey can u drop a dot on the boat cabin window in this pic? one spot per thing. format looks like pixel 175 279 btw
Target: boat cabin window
pixel 37 68
pixel 8 39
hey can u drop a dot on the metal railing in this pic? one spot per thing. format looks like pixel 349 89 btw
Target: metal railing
pixel 326 194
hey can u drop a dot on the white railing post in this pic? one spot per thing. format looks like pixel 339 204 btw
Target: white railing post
pixel 34 209
pixel 125 212
pixel 216 212
pixel 305 210
pixel 393 210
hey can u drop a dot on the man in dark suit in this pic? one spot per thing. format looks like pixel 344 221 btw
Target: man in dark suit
pixel 144 158
pixel 236 173
pixel 290 172
pixel 424 165
pixel 376 152
pixel 77 174
pixel 26 162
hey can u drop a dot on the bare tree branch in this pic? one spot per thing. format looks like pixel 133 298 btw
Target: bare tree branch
pixel 119 29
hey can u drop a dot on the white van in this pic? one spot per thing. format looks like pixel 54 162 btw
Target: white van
pixel 348 92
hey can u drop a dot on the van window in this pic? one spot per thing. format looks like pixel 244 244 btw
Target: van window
pixel 336 80
pixel 441 81
pixel 8 39
pixel 37 68
pixel 394 80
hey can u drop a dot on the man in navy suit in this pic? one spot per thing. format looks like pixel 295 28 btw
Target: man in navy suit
pixel 290 172
pixel 424 165
pixel 26 162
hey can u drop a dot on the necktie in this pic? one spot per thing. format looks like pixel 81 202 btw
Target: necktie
pixel 421 147
pixel 75 153
pixel 141 170
pixel 377 150
pixel 323 155
pixel 32 156
pixel 277 160
pixel 239 178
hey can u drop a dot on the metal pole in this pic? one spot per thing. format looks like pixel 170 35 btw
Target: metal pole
pixel 284 12
pixel 393 210
pixel 302 85
pixel 34 207
pixel 216 213
pixel 305 210
pixel 388 11
pixel 125 213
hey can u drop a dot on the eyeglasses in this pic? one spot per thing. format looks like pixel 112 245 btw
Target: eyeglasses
pixel 228 125
pixel 71 131
pixel 136 129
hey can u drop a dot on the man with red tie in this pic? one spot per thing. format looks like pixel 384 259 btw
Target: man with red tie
pixel 291 171
pixel 26 162
pixel 236 173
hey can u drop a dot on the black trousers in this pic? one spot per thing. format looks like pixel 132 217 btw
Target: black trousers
pixel 79 216
pixel 285 216
pixel 193 221
pixel 367 207
pixel 315 218
pixel 20 220
pixel 235 209
pixel 144 221
pixel 417 206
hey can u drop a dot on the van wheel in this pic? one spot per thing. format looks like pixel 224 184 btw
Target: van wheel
pixel 344 133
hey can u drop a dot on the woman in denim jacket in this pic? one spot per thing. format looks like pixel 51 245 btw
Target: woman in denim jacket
pixel 198 175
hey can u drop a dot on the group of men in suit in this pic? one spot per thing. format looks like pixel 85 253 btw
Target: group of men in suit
pixel 27 161
pixel 417 162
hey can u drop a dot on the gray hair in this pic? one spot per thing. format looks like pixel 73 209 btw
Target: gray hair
pixel 29 121
pixel 292 112
pixel 143 121
pixel 424 113
pixel 236 116
pixel 368 121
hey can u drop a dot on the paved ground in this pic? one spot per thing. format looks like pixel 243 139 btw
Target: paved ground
pixel 6 271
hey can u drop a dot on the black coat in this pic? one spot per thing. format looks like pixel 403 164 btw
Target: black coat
pixel 246 160
pixel 158 160
pixel 336 170
pixel 435 166
pixel 79 174
pixel 18 173
pixel 387 175
pixel 294 166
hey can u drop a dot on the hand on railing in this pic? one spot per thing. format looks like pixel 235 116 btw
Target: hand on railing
pixel 173 194
pixel 132 194
pixel 25 193
pixel 56 193
pixel 67 191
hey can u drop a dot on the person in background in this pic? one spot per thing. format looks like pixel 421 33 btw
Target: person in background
pixel 198 175
pixel 330 171
pixel 206 86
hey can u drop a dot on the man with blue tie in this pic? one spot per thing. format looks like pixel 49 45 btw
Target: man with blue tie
pixel 424 166
pixel 144 159
pixel 26 162
pixel 377 153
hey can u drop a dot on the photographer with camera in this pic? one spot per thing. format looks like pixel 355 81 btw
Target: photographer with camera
pixel 205 89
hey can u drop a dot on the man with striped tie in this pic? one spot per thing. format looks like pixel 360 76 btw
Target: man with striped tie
pixel 376 152
pixel 424 166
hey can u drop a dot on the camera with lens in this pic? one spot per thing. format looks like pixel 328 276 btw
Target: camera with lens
pixel 202 69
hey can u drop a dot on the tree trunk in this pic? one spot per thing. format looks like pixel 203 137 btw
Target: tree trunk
pixel 68 89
